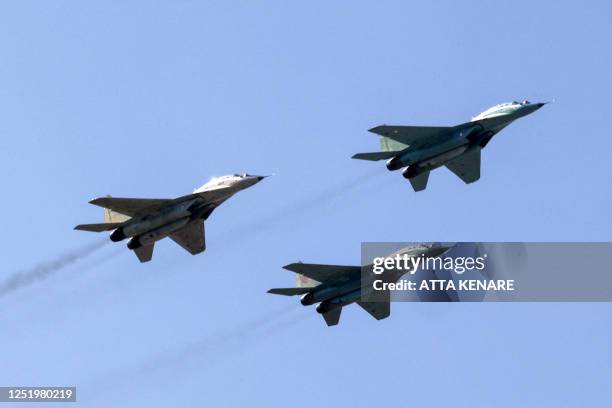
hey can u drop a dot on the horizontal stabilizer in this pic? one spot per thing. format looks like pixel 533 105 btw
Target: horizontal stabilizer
pixel 144 253
pixel 333 316
pixel 106 226
pixel 375 156
pixel 289 291
pixel 419 182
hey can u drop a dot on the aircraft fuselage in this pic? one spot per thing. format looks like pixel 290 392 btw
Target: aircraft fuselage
pixel 419 149
pixel 332 296
pixel 158 223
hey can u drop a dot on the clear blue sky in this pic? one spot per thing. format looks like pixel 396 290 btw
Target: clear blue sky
pixel 151 99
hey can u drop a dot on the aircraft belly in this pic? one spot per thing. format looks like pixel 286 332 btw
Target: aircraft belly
pixel 497 123
pixel 329 292
pixel 140 226
pixel 344 299
pixel 217 195
pixel 442 158
pixel 423 154
pixel 162 232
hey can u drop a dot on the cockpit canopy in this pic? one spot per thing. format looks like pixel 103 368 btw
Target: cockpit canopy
pixel 501 109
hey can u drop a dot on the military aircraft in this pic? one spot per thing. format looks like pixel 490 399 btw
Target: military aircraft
pixel 420 149
pixel 147 220
pixel 335 286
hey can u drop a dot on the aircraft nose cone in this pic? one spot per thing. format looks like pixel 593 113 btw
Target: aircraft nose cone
pixel 533 107
pixel 539 105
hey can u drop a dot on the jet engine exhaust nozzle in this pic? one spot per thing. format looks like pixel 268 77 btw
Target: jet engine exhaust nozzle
pixel 325 307
pixel 307 299
pixel 410 172
pixel 394 164
pixel 134 243
pixel 117 235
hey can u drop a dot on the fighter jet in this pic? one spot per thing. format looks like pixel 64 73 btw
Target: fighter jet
pixel 419 149
pixel 147 220
pixel 335 286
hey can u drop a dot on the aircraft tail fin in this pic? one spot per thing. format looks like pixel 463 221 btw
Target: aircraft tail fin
pixel 390 145
pixel 114 216
pixel 112 220
pixel 303 281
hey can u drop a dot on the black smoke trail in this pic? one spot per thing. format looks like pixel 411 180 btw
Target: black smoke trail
pixel 227 342
pixel 299 207
pixel 47 269
pixel 213 348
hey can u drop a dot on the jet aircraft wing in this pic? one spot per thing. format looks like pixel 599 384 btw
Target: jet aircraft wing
pixel 191 237
pixel 466 166
pixel 131 206
pixel 380 309
pixel 326 273
pixel 138 206
pixel 410 135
